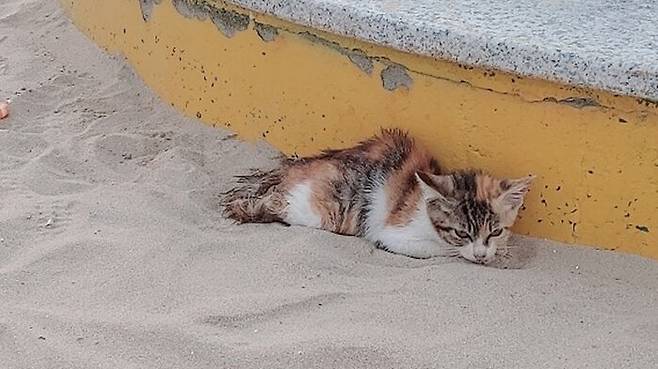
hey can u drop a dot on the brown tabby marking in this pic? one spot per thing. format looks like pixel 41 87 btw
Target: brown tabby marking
pixel 320 175
pixel 488 188
pixel 402 189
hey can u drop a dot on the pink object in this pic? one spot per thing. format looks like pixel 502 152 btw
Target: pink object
pixel 4 110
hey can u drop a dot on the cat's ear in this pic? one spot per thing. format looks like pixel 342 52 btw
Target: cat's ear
pixel 435 187
pixel 513 192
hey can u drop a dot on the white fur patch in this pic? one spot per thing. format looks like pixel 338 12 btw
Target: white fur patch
pixel 299 210
pixel 378 213
pixel 418 238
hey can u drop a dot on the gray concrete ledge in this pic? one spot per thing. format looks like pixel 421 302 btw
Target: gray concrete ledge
pixel 604 44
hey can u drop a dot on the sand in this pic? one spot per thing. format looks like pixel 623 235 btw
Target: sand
pixel 113 252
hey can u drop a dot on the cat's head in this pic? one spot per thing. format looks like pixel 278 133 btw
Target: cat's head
pixel 472 211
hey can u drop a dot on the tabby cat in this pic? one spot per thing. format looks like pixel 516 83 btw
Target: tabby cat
pixel 389 190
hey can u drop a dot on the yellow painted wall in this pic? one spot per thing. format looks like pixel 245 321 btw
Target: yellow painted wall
pixel 597 165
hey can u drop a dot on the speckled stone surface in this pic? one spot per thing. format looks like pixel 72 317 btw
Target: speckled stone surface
pixel 606 44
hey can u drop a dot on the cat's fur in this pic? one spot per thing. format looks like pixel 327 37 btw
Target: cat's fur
pixel 388 190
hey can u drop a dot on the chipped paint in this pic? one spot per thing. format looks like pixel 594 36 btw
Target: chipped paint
pixel 303 90
pixel 576 102
pixel 147 8
pixel 395 76
pixel 229 22
pixel 266 32
pixel 356 56
pixel 191 9
pixel 360 59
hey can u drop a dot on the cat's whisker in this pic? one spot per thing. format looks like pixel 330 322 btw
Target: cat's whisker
pixel 453 253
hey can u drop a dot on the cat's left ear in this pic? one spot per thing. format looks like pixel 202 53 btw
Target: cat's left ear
pixel 513 192
pixel 435 187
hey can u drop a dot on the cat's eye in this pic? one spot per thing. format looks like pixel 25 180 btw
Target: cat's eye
pixel 496 233
pixel 462 234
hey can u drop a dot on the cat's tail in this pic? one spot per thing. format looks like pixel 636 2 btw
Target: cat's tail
pixel 257 198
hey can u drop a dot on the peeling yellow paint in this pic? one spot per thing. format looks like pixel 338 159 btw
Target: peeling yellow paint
pixel 596 154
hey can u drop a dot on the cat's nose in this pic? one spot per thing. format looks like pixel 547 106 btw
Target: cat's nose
pixel 480 255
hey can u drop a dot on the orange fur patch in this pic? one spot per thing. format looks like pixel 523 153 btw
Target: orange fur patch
pixel 376 150
pixel 403 192
pixel 320 175
pixel 488 188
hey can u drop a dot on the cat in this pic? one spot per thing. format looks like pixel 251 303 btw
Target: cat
pixel 391 191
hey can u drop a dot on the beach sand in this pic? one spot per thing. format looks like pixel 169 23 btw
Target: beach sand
pixel 114 254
